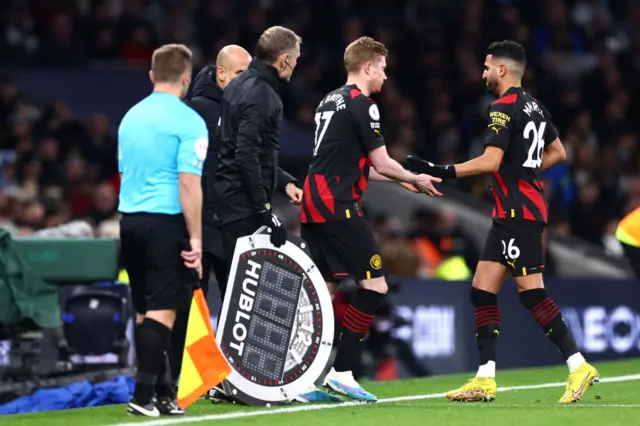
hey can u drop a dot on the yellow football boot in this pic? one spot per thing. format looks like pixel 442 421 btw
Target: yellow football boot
pixel 477 389
pixel 578 383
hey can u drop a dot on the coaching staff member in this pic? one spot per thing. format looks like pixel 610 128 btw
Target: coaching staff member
pixel 162 144
pixel 248 172
pixel 206 100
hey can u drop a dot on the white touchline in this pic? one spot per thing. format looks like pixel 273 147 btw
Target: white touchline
pixel 299 408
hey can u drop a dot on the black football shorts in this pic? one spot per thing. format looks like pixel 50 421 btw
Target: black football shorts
pixel 517 245
pixel 150 252
pixel 344 248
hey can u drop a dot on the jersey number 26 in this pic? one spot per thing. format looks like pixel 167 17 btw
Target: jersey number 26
pixel 536 136
pixel 322 120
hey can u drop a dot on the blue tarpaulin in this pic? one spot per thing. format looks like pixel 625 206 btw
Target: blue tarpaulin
pixel 77 395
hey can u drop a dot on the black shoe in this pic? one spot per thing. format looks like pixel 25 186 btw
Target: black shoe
pixel 137 409
pixel 216 395
pixel 168 407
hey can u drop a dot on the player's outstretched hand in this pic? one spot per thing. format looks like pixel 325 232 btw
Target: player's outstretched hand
pixel 424 183
pixel 295 194
pixel 419 165
pixel 409 187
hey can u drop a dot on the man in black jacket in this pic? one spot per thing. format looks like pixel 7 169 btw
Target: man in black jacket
pixel 248 174
pixel 206 100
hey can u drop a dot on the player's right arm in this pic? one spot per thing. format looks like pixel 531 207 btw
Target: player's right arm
pixel 367 118
pixel 496 142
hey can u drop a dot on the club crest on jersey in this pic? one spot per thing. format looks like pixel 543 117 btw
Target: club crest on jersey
pixel 376 262
pixel 374 112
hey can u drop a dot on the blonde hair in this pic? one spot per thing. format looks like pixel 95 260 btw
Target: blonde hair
pixel 361 51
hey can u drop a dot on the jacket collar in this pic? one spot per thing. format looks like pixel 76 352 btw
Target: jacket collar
pixel 205 84
pixel 268 72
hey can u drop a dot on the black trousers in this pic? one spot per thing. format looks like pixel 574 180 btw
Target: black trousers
pixel 234 230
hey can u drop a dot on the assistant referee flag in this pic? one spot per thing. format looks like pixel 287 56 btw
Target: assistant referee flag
pixel 203 365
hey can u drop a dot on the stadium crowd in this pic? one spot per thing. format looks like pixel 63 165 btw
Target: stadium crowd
pixel 583 59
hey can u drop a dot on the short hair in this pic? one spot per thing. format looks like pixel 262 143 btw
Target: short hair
pixel 275 41
pixel 361 51
pixel 169 62
pixel 508 49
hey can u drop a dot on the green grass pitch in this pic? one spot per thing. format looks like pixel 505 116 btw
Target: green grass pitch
pixel 530 399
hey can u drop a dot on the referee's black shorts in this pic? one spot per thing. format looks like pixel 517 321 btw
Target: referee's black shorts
pixel 150 251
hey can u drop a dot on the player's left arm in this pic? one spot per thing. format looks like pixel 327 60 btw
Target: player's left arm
pixel 377 177
pixel 554 152
pixel 496 142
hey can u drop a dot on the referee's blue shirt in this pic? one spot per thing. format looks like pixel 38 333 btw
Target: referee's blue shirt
pixel 158 138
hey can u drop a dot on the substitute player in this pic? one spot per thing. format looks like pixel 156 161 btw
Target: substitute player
pixel 520 142
pixel 162 144
pixel 628 233
pixel 349 150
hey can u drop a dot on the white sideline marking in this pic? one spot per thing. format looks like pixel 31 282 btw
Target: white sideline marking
pixel 312 407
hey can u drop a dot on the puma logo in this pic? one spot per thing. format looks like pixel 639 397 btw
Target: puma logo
pixel 512 263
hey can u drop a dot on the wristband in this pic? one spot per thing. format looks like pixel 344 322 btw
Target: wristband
pixel 418 165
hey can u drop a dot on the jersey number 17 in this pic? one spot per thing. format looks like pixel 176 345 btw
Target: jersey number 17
pixel 536 136
pixel 322 120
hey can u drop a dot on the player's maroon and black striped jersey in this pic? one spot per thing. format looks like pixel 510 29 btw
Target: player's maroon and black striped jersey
pixel 347 128
pixel 520 126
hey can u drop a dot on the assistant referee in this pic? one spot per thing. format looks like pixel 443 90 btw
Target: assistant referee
pixel 162 144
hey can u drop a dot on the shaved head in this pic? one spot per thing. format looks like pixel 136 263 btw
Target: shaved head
pixel 231 61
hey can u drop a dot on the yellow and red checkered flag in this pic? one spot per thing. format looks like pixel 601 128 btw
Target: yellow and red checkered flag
pixel 203 365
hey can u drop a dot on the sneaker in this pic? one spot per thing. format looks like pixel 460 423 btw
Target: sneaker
pixel 579 382
pixel 137 409
pixel 313 394
pixel 343 383
pixel 168 407
pixel 216 395
pixel 476 389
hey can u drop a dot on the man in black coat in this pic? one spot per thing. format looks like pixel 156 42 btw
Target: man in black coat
pixel 247 174
pixel 206 100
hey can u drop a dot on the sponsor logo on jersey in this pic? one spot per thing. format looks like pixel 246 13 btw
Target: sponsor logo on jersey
pixel 499 119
